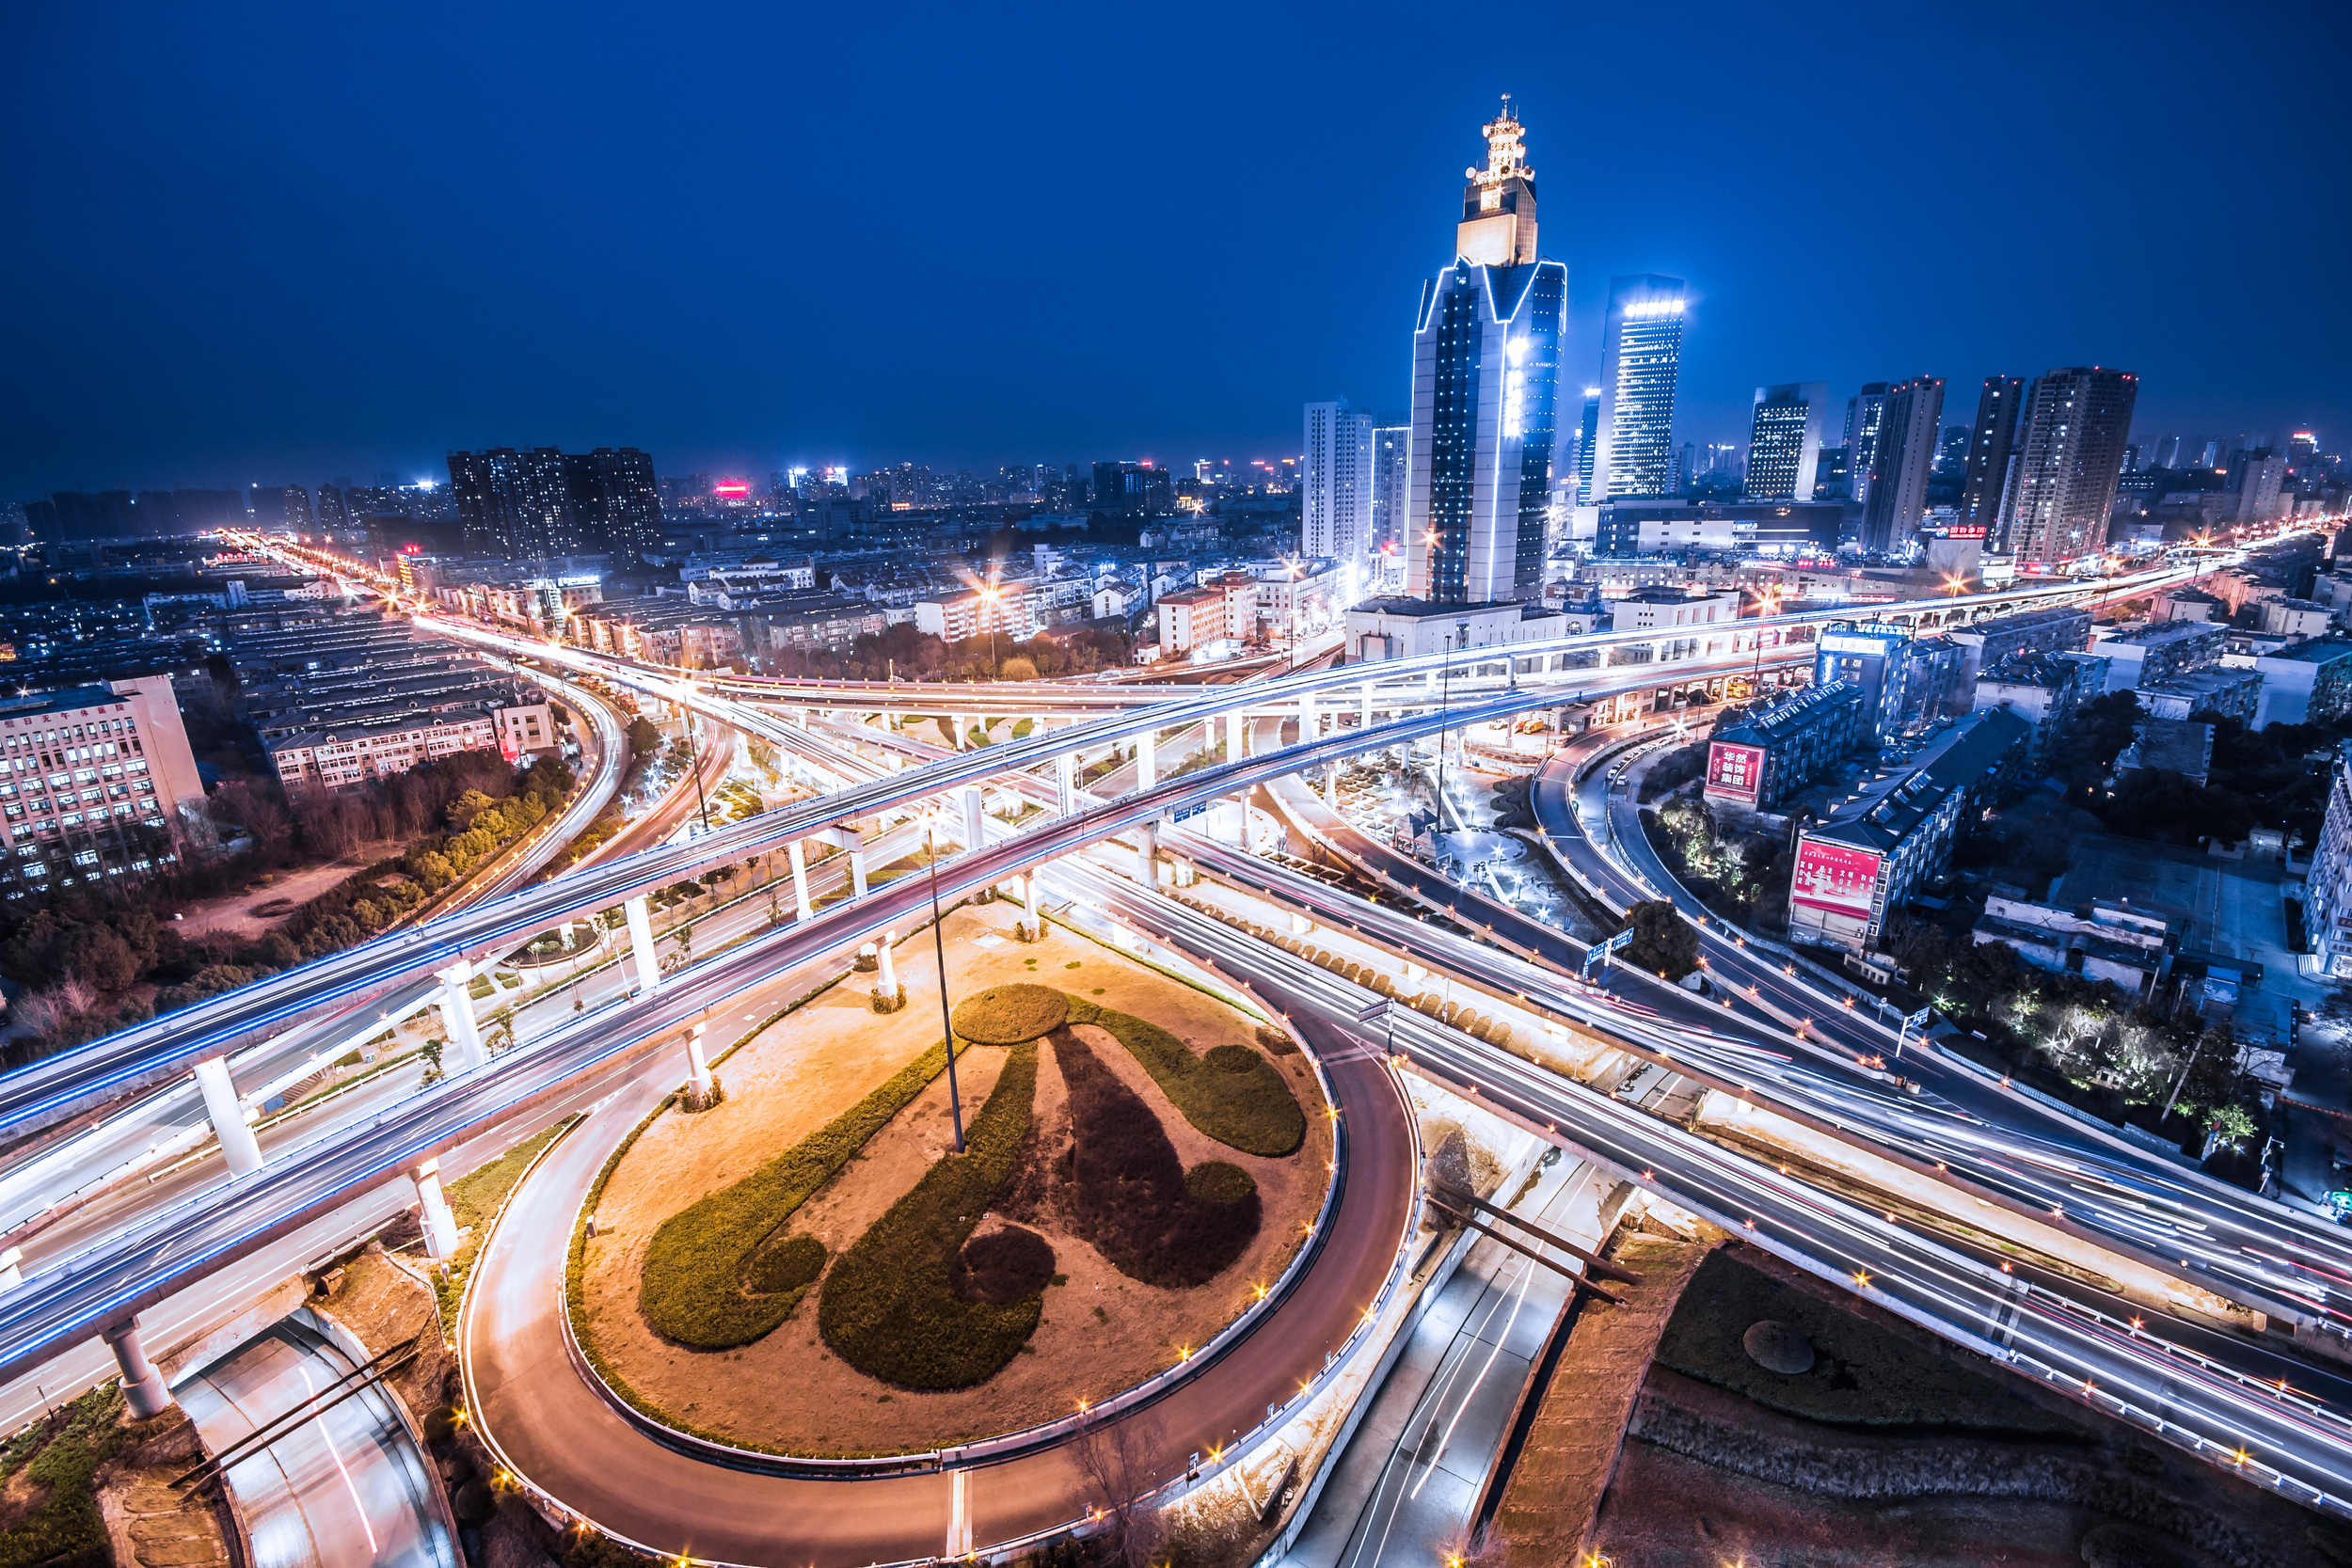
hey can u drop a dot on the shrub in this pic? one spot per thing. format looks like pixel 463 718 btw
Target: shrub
pixel 1275 1040
pixel 1007 1015
pixel 1232 1058
pixel 696 1265
pixel 1131 1196
pixel 54 1466
pixel 1219 1181
pixel 791 1264
pixel 1002 1267
pixel 1251 1109
pixel 889 1308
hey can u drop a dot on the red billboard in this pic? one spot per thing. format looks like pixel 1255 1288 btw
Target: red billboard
pixel 1735 771
pixel 1836 880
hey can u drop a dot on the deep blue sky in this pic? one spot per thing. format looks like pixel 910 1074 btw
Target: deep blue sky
pixel 282 243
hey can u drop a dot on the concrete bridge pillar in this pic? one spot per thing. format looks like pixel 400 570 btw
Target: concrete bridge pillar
pixel 641 946
pixel 1367 708
pixel 974 819
pixel 440 1226
pixel 1147 773
pixel 1305 717
pixel 697 1070
pixel 1236 735
pixel 1030 886
pixel 1148 856
pixel 238 1146
pixel 889 977
pixel 456 1001
pixel 857 871
pixel 1066 782
pixel 142 1385
pixel 800 880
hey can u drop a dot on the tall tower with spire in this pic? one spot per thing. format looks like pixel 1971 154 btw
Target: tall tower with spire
pixel 1498 227
pixel 1487 434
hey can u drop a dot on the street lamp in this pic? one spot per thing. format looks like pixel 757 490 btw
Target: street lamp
pixel 939 946
pixel 1296 569
pixel 988 596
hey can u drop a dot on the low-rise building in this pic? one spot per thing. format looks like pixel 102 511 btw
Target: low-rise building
pixel 1386 629
pixel 2297 618
pixel 2046 689
pixel 1781 745
pixel 2187 603
pixel 2328 886
pixel 2306 683
pixel 1679 618
pixel 1880 846
pixel 2105 940
pixel 352 753
pixel 2159 652
pixel 1193 618
pixel 2168 746
pixel 80 771
pixel 2232 692
pixel 1990 643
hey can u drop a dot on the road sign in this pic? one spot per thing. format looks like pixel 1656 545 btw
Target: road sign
pixel 1374 1013
pixel 1183 814
pixel 1917 1020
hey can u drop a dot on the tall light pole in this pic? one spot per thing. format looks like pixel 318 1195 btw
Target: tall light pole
pixel 988 596
pixel 939 946
pixel 1296 569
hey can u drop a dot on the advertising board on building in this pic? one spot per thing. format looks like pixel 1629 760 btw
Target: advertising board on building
pixel 1834 879
pixel 1734 771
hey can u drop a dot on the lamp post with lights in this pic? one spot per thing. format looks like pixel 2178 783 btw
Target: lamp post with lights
pixel 939 946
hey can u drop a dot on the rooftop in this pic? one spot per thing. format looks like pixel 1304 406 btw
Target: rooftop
pixel 2318 650
pixel 1887 810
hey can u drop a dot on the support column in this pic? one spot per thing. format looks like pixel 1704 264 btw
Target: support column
pixel 1306 717
pixel 440 1226
pixel 799 881
pixel 1037 920
pixel 641 946
pixel 889 977
pixel 142 1385
pixel 1331 784
pixel 1236 734
pixel 1367 711
pixel 974 819
pixel 238 1146
pixel 1241 821
pixel 1148 856
pixel 697 1070
pixel 457 1004
pixel 1066 781
pixel 857 872
pixel 1147 773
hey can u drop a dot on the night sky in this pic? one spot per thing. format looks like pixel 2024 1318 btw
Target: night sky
pixel 254 245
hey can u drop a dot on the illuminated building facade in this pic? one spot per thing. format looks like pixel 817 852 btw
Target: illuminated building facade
pixel 2070 454
pixel 1784 443
pixel 1900 460
pixel 1992 456
pixel 1641 357
pixel 1863 412
pixel 1485 384
pixel 1336 488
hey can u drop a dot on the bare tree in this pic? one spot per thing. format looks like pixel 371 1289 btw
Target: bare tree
pixel 1116 1457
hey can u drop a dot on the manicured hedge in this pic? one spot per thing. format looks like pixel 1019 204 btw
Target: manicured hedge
pixel 706 1257
pixel 1003 1266
pixel 1007 1015
pixel 1133 1198
pixel 1244 1105
pixel 889 1306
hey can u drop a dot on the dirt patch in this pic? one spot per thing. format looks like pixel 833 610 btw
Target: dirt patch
pixel 1100 1331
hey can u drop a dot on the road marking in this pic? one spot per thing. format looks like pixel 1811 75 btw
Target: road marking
pixel 960 1513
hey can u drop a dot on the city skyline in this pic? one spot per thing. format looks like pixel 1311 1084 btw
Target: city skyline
pixel 381 341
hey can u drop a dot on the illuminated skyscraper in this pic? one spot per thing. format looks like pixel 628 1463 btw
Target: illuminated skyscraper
pixel 1391 486
pixel 1785 445
pixel 1899 460
pixel 1641 355
pixel 1863 413
pixel 1992 454
pixel 2070 452
pixel 1336 489
pixel 1485 382
pixel 1586 430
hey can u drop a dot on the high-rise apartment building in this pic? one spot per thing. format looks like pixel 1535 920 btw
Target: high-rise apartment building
pixel 2070 454
pixel 1391 486
pixel 1641 355
pixel 1900 462
pixel 1863 411
pixel 1485 385
pixel 1785 441
pixel 540 502
pixel 1992 457
pixel 1336 489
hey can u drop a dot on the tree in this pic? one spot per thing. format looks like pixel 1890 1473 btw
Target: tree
pixel 1663 940
pixel 1115 1458
pixel 643 737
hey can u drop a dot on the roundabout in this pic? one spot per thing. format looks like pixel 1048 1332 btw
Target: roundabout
pixel 1161 1250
